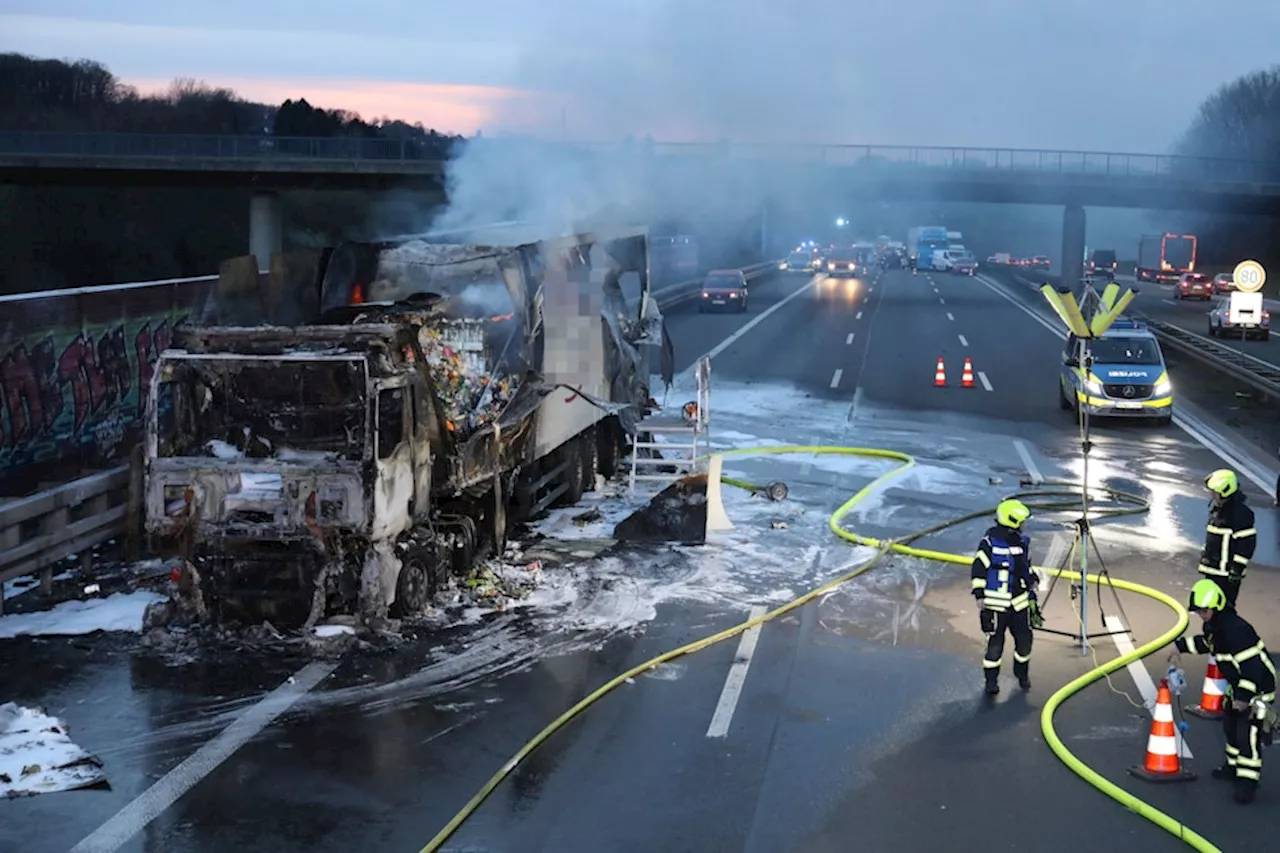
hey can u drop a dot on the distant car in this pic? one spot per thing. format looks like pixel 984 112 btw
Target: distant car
pixel 964 266
pixel 1194 285
pixel 846 262
pixel 1220 325
pixel 1224 282
pixel 800 262
pixel 1040 261
pixel 724 289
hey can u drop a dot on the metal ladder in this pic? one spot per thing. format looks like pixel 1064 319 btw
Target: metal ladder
pixel 690 433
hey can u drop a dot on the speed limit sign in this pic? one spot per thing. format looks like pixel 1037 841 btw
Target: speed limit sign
pixel 1249 276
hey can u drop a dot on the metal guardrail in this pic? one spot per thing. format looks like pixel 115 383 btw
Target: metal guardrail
pixel 350 149
pixel 38 531
pixel 1250 370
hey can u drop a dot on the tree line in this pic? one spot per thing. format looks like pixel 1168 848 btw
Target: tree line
pixel 1238 122
pixel 55 237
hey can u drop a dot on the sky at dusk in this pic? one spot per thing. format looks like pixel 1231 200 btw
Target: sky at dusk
pixel 1093 74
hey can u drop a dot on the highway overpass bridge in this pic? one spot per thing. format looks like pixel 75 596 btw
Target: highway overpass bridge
pixel 1072 179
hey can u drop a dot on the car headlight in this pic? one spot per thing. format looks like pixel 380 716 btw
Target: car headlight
pixel 1092 387
pixel 1163 388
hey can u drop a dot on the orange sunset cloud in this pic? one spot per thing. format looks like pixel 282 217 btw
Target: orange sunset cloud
pixel 447 108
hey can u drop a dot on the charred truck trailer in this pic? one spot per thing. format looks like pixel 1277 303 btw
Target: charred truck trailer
pixel 445 391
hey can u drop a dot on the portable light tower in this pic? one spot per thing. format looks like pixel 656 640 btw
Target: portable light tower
pixel 1103 310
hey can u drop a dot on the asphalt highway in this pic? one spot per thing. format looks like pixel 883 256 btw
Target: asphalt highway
pixel 857 722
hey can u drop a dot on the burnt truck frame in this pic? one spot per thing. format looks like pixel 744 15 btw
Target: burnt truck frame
pixel 379 495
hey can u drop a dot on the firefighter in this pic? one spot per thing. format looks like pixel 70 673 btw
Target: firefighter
pixel 1245 663
pixel 1004 585
pixel 1230 537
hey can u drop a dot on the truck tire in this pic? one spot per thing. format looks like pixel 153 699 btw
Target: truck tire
pixel 414 588
pixel 588 449
pixel 572 477
pixel 608 447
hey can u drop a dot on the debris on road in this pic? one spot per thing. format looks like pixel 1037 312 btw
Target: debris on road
pixel 37 757
pixel 676 514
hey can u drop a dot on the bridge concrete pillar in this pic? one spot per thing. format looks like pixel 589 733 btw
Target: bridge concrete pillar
pixel 266 228
pixel 1073 230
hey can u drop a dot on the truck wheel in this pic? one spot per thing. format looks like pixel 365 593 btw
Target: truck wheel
pixel 589 452
pixel 607 447
pixel 571 478
pixel 413 588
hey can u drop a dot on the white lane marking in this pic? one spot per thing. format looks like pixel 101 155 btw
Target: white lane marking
pixel 737 677
pixel 963 341
pixel 872 288
pixel 835 377
pixel 951 318
pixel 849 338
pixel 1137 669
pixel 986 383
pixel 1025 453
pixel 857 401
pixel 757 320
pixel 859 317
pixel 1199 431
pixel 151 803
pixel 943 301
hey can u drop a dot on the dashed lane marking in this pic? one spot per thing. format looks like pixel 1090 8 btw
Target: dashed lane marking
pixel 943 301
pixel 859 317
pixel 986 383
pixel 849 338
pixel 151 803
pixel 1027 462
pixel 963 341
pixel 951 318
pixel 835 378
pixel 737 678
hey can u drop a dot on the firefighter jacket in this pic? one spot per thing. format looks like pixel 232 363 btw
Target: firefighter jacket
pixel 1230 539
pixel 1001 576
pixel 1241 655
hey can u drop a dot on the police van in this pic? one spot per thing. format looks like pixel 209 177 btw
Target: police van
pixel 1129 378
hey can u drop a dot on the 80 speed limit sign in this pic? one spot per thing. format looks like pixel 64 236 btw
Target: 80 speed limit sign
pixel 1249 276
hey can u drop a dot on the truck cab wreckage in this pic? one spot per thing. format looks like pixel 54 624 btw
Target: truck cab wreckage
pixel 439 393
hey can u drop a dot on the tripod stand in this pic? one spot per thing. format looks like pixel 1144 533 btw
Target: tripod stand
pixel 1084 539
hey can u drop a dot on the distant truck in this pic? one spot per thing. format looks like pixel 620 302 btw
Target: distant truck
pixel 1165 257
pixel 444 392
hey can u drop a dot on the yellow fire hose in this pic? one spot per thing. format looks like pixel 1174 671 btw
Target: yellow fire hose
pixel 1060 496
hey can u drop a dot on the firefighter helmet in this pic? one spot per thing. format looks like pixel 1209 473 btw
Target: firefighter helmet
pixel 1012 513
pixel 1207 595
pixel 1223 482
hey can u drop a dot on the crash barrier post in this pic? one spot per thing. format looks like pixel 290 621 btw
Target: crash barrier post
pixel 38 531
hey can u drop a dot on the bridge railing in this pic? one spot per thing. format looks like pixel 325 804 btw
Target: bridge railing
pixel 348 149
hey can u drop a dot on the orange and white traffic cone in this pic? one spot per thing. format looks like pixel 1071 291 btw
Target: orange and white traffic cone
pixel 1163 763
pixel 940 375
pixel 1212 694
pixel 966 378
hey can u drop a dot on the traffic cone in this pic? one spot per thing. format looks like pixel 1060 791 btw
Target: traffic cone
pixel 966 378
pixel 940 375
pixel 1212 694
pixel 1163 763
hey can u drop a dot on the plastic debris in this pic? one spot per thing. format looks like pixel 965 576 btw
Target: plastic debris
pixel 463 375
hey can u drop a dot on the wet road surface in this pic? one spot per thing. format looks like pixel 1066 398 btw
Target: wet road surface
pixel 860 716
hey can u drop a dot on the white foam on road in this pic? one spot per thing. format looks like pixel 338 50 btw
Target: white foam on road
pixel 37 756
pixel 120 612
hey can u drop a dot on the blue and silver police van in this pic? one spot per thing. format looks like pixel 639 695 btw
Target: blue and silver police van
pixel 1129 378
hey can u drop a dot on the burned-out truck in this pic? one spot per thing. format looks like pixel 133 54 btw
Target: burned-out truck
pixel 444 391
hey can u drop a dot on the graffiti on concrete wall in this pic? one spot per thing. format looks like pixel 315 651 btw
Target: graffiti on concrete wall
pixel 75 371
